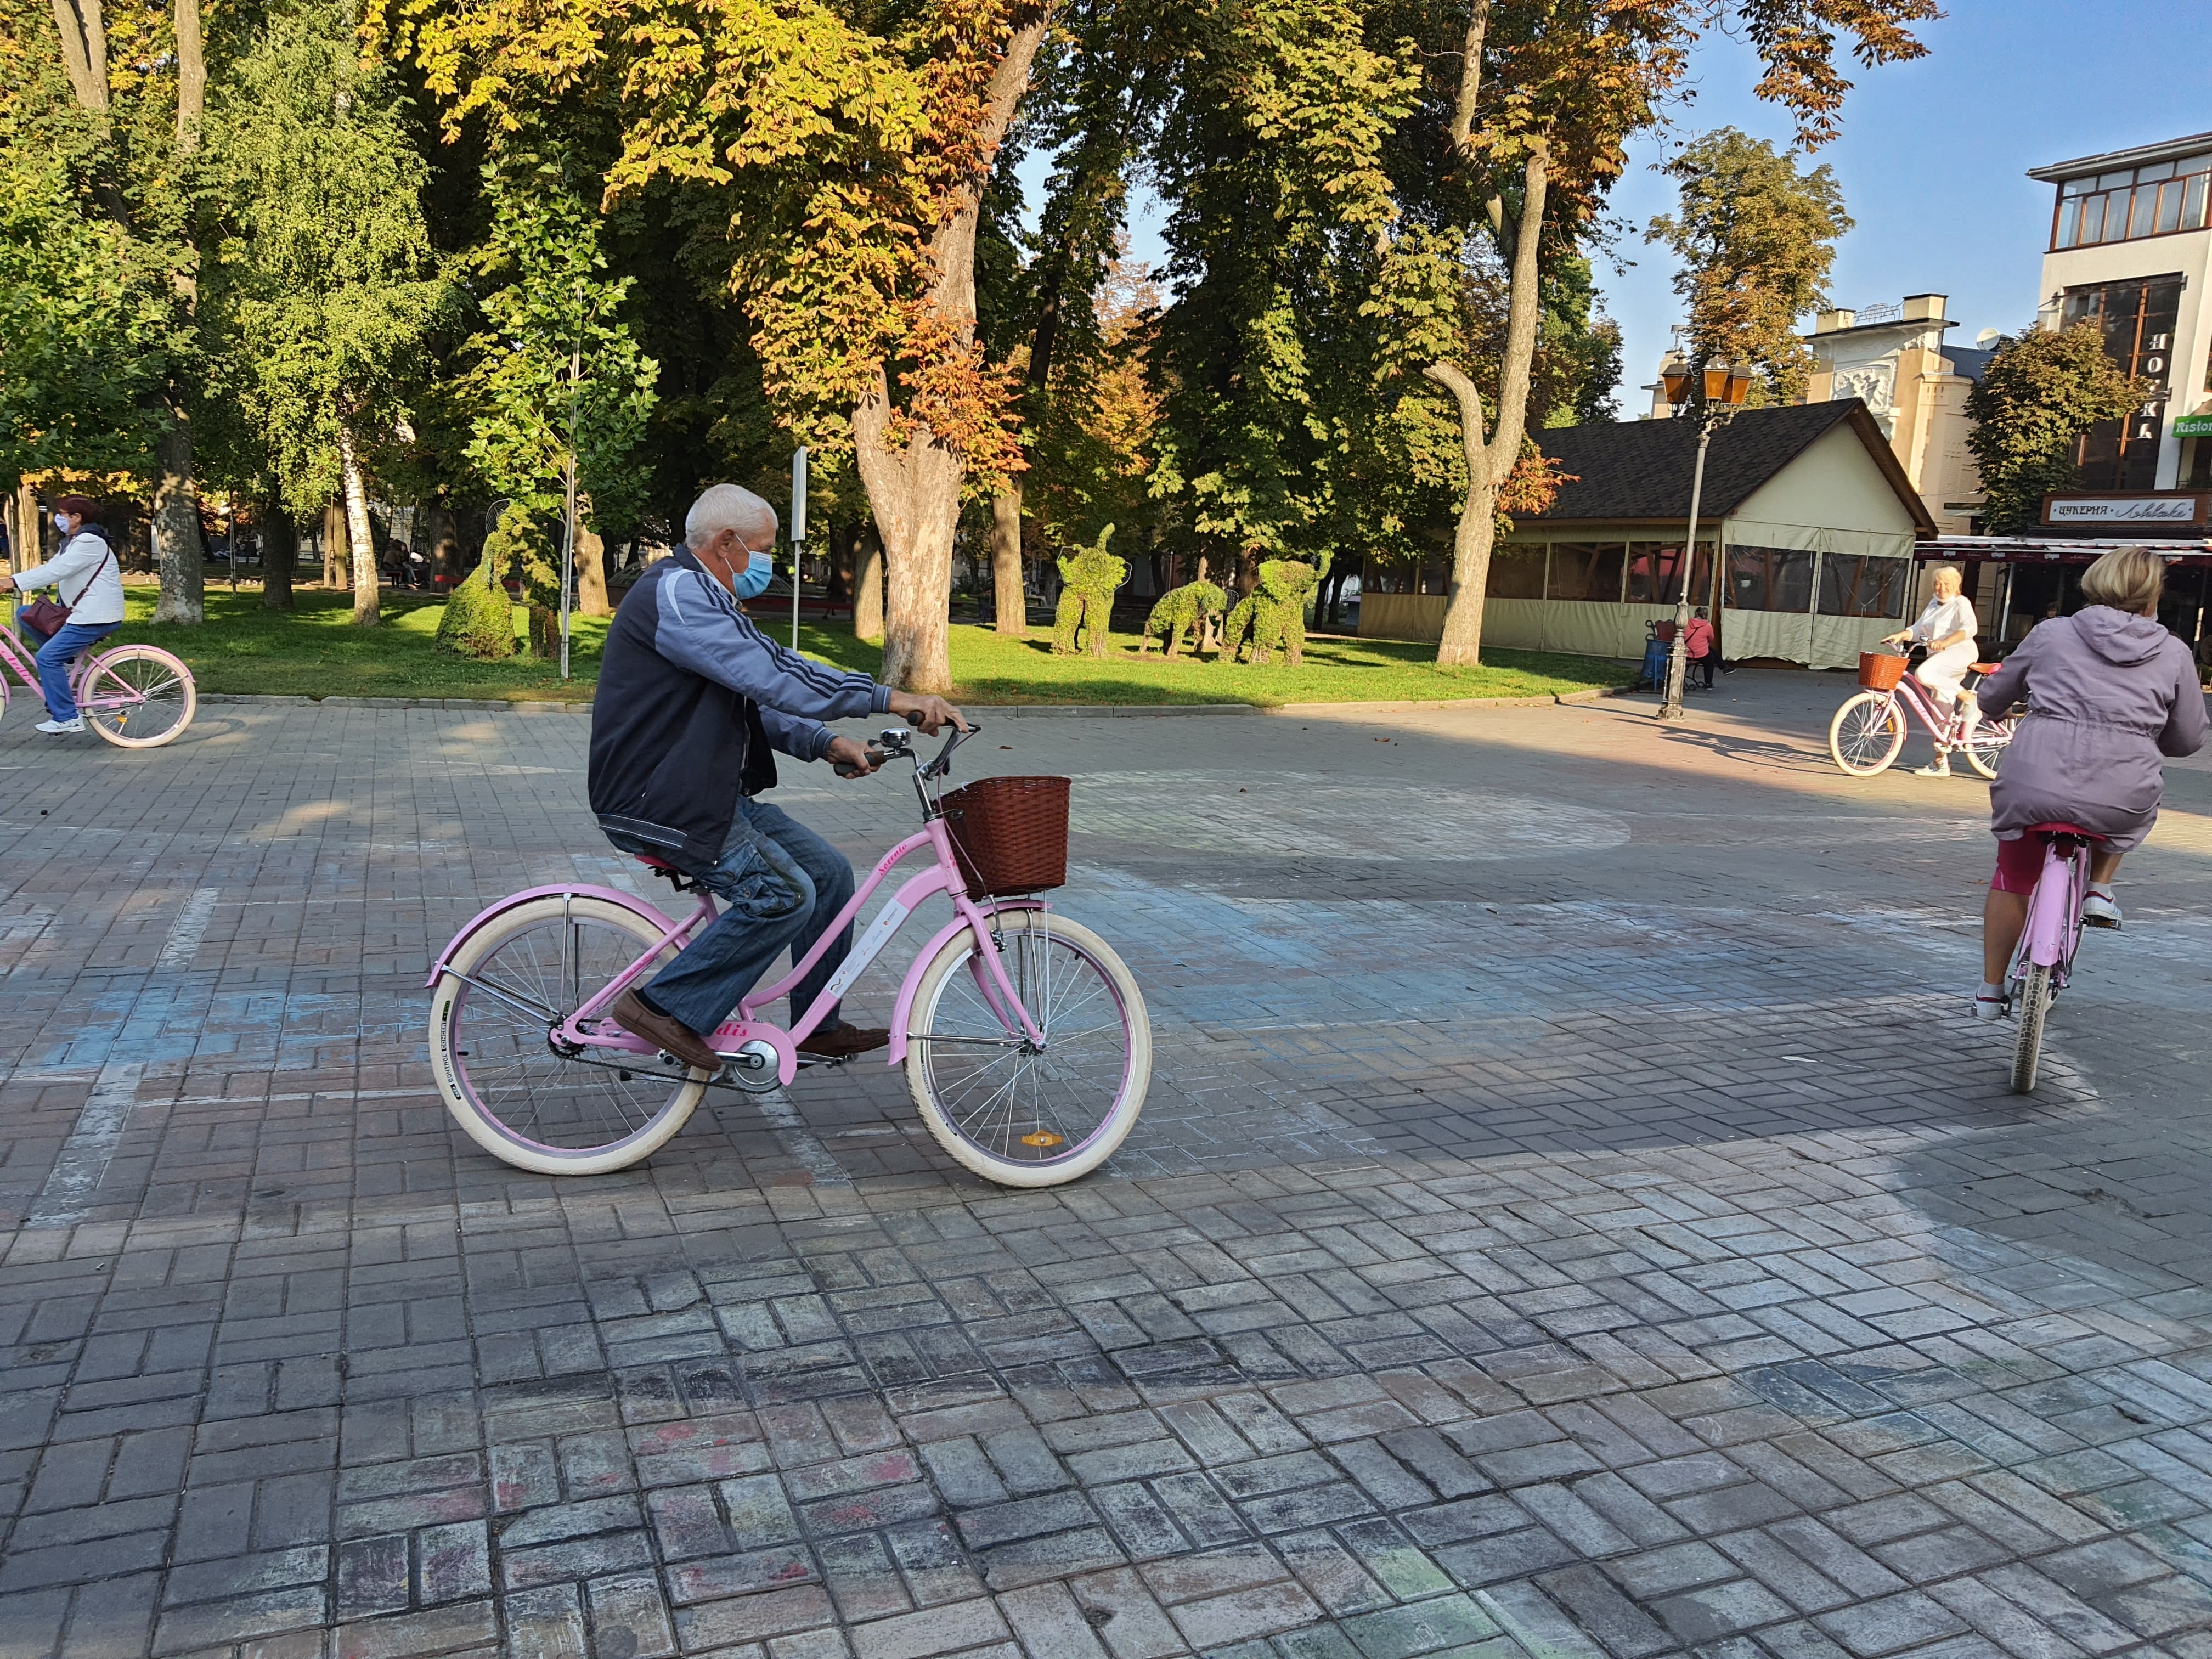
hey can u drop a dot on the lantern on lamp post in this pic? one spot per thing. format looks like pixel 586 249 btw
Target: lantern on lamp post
pixel 1724 386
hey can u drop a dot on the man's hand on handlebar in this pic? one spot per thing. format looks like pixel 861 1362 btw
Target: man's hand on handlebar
pixel 930 713
pixel 853 759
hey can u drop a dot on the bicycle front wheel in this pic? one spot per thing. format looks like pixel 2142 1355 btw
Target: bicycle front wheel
pixel 1015 1112
pixel 506 990
pixel 2034 1002
pixel 138 696
pixel 1866 733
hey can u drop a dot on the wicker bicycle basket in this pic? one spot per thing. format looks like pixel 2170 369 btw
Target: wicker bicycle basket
pixel 1880 671
pixel 1010 834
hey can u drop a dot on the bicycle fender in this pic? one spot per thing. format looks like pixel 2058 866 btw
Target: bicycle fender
pixel 897 1053
pixel 572 890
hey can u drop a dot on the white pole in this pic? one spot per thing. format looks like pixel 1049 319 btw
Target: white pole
pixel 568 543
pixel 798 531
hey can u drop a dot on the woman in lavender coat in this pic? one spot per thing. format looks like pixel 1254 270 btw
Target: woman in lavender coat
pixel 2109 691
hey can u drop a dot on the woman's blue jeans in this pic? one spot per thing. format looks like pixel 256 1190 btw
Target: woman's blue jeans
pixel 779 883
pixel 57 652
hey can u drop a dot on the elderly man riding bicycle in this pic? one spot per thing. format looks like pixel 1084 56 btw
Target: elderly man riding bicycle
pixel 693 701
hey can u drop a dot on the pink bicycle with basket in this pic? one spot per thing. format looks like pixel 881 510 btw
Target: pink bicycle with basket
pixel 136 696
pixel 1868 731
pixel 1026 1044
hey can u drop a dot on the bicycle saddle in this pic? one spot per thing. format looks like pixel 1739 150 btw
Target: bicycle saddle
pixel 2064 829
pixel 1985 668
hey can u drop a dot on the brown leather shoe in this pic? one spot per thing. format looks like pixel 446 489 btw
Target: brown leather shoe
pixel 663 1032
pixel 845 1042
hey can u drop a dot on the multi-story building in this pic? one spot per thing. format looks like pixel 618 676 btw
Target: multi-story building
pixel 2130 249
pixel 1893 358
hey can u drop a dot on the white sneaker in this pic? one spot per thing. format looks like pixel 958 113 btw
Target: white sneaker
pixel 1940 768
pixel 1991 1007
pixel 55 728
pixel 2098 910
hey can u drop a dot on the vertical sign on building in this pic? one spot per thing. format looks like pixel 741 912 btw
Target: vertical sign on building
pixel 2137 320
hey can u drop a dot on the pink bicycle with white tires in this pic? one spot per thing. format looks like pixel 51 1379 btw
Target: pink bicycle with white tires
pixel 1026 1041
pixel 2044 960
pixel 136 696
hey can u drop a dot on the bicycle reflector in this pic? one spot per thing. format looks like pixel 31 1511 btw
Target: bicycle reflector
pixel 1041 1138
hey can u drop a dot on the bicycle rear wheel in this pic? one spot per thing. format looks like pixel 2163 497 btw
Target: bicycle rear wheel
pixel 2032 1001
pixel 138 696
pixel 1866 733
pixel 1986 747
pixel 1014 1113
pixel 508 989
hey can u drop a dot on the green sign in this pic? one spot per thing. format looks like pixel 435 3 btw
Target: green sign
pixel 2193 426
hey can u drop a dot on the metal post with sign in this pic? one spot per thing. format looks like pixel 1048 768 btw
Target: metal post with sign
pixel 798 531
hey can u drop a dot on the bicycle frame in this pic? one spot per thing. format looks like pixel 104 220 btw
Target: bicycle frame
pixel 15 655
pixel 943 875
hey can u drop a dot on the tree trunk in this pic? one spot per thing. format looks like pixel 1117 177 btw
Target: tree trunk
pixel 868 588
pixel 30 538
pixel 840 562
pixel 177 532
pixel 1490 463
pixel 280 556
pixel 83 33
pixel 1012 602
pixel 914 486
pixel 191 77
pixel 592 573
pixel 444 545
pixel 336 563
pixel 361 538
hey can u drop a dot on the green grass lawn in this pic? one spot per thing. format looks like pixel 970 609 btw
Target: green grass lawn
pixel 315 651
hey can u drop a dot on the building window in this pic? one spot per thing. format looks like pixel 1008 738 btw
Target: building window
pixel 2137 320
pixel 1854 586
pixel 1770 579
pixel 1655 573
pixel 1586 570
pixel 2134 203
pixel 1516 572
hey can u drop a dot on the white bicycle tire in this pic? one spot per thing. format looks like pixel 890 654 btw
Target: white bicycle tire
pixel 489 1131
pixel 1121 1116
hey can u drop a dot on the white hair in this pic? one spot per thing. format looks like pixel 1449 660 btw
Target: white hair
pixel 725 506
pixel 1948 570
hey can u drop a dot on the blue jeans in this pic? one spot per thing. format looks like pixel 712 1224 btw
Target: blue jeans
pixel 57 651
pixel 779 883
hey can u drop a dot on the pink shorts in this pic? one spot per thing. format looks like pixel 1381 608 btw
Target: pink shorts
pixel 2019 864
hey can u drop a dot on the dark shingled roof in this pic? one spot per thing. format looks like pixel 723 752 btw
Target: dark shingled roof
pixel 1640 470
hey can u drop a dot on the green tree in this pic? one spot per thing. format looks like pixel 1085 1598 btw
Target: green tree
pixel 1756 239
pixel 2040 391
pixel 83 331
pixel 561 380
pixel 1525 109
pixel 326 288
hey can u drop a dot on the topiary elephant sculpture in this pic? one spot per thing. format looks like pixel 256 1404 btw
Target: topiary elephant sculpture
pixel 1089 576
pixel 1189 608
pixel 1274 613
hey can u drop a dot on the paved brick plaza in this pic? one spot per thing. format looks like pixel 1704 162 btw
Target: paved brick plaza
pixel 1570 1219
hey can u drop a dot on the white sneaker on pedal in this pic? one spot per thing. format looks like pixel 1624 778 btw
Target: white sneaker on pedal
pixel 2100 910
pixel 54 728
pixel 1939 767
pixel 1991 1003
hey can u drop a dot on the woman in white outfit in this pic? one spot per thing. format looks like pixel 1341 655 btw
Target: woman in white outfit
pixel 1947 627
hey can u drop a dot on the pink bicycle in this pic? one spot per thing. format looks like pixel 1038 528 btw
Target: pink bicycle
pixel 2044 960
pixel 136 696
pixel 1868 730
pixel 1026 1041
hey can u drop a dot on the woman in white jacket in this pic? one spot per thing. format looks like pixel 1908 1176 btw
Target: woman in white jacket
pixel 1947 627
pixel 88 577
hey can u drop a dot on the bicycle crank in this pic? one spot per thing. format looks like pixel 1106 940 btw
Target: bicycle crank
pixel 752 1068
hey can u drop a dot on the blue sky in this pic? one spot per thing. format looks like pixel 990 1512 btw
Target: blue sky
pixel 1932 154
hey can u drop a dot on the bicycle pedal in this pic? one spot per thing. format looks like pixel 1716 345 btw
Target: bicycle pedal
pixel 2105 922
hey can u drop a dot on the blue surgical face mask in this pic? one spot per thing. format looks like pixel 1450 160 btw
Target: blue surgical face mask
pixel 753 581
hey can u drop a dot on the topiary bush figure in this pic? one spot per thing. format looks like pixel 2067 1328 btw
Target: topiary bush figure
pixel 1089 575
pixel 1274 612
pixel 1190 607
pixel 522 543
pixel 479 619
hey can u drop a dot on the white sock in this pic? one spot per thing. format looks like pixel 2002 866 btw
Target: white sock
pixel 1989 990
pixel 2102 889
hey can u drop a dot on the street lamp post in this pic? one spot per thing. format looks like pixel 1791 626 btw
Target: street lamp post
pixel 1726 386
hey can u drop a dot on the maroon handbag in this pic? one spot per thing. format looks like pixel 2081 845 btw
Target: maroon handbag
pixel 49 618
